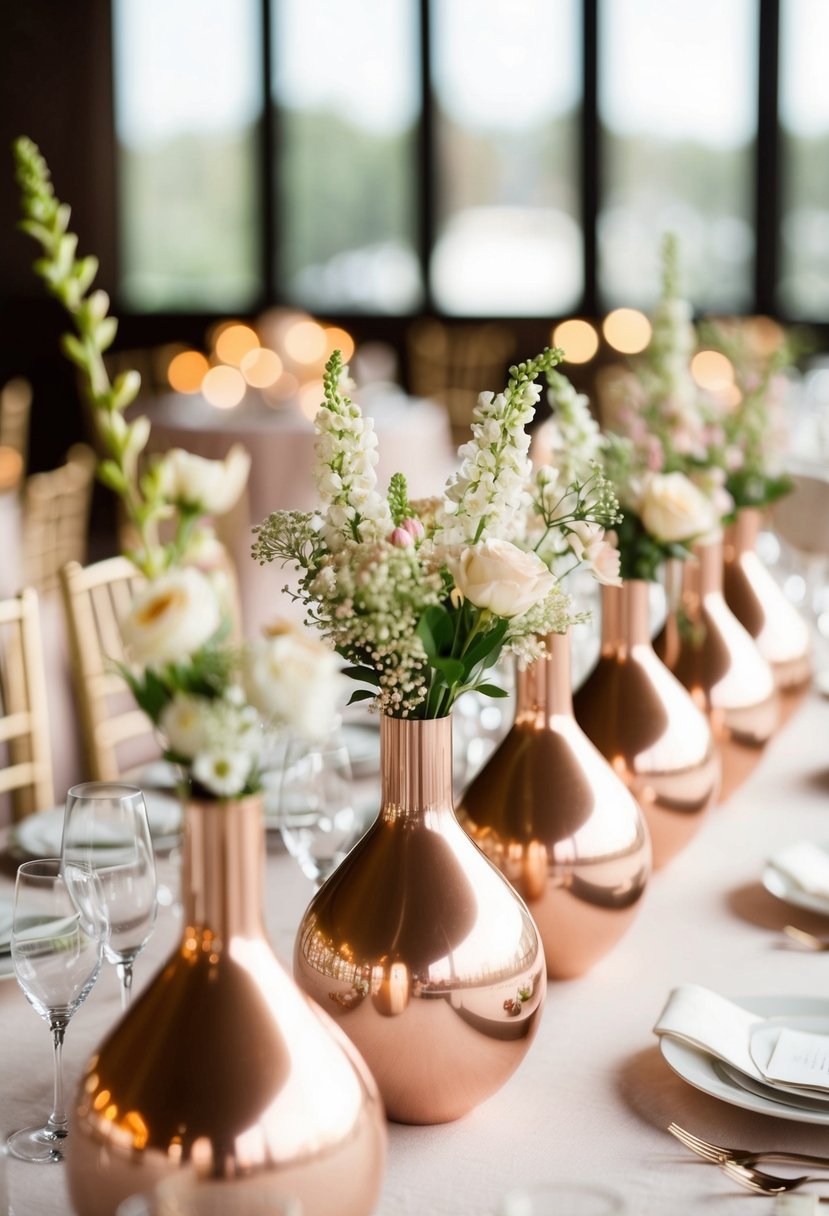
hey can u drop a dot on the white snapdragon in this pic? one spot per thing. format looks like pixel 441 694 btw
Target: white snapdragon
pixel 571 440
pixel 345 455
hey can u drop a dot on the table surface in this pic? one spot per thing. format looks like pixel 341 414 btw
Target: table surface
pixel 593 1096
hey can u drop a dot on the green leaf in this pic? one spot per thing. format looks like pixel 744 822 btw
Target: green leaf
pixel 435 631
pixel 75 350
pixel 491 690
pixel 367 674
pixel 104 333
pixel 453 670
pixel 487 646
pixel 111 475
pixel 125 389
pixel 362 694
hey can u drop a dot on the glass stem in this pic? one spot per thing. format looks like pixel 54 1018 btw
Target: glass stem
pixel 125 975
pixel 57 1120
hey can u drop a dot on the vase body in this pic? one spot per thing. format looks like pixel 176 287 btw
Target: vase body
pixel 550 812
pixel 646 725
pixel 717 660
pixel 423 953
pixel 752 594
pixel 222 1063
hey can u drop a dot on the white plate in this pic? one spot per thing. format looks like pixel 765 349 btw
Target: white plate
pixel 782 887
pixel 40 835
pixel 703 1072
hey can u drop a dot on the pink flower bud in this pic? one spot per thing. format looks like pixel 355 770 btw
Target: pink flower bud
pixel 400 538
pixel 414 527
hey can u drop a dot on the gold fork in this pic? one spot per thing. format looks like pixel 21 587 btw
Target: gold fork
pixel 719 1153
pixel 810 940
pixel 762 1183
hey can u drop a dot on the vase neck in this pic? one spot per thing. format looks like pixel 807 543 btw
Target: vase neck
pixel 705 568
pixel 741 535
pixel 223 870
pixel 544 688
pixel 626 616
pixel 416 765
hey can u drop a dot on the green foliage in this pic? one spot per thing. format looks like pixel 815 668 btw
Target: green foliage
pixel 641 554
pixel 461 643
pixel 398 499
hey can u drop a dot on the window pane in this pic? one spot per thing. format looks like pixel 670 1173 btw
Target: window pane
pixel 187 98
pixel 507 83
pixel 804 112
pixel 678 103
pixel 346 77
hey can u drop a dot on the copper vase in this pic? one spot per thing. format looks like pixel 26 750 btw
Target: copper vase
pixel 717 660
pixel 222 1063
pixel 645 724
pixel 550 812
pixel 752 594
pixel 420 949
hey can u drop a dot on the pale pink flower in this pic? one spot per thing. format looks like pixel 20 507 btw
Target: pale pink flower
pixel 400 538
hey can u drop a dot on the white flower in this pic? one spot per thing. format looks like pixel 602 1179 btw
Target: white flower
pixel 183 724
pixel 496 574
pixel 209 486
pixel 171 618
pixel 673 509
pixel 604 561
pixel 224 771
pixel 295 681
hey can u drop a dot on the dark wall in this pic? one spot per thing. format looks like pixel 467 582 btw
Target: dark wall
pixel 56 87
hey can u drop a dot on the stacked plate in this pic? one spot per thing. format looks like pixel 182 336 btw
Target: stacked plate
pixel 799 875
pixel 40 835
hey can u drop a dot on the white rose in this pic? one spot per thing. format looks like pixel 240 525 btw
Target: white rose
pixel 210 486
pixel 183 725
pixel 171 618
pixel 498 575
pixel 673 509
pixel 295 681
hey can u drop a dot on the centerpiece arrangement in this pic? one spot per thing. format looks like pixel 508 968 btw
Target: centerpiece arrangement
pixel 231 1052
pixel 416 943
pixel 547 808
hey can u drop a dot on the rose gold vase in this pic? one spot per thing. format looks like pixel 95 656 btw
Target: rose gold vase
pixel 420 949
pixel 644 722
pixel 778 629
pixel 550 812
pixel 222 1063
pixel 717 660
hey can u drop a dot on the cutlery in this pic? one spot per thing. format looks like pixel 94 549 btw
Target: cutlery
pixel 720 1153
pixel 762 1183
pixel 809 940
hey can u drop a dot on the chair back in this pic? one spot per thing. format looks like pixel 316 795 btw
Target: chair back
pixel 15 411
pixel 56 509
pixel 116 735
pixel 453 364
pixel 26 772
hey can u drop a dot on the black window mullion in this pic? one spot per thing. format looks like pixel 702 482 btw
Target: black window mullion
pixel 767 197
pixel 268 163
pixel 427 169
pixel 590 154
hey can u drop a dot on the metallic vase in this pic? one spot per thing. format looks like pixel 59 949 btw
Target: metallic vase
pixel 222 1063
pixel 752 594
pixel 420 949
pixel 717 660
pixel 645 724
pixel 550 812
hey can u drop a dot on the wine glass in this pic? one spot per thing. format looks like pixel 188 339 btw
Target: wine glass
pixel 106 828
pixel 58 930
pixel 316 805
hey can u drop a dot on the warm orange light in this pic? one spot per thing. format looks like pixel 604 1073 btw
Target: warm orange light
pixel 261 367
pixel 233 342
pixel 578 340
pixel 765 334
pixel 712 370
pixel 223 387
pixel 305 342
pixel 730 396
pixel 627 330
pixel 186 371
pixel 310 398
pixel 339 339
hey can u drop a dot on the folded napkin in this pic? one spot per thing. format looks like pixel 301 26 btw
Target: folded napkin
pixel 793 1060
pixel 806 865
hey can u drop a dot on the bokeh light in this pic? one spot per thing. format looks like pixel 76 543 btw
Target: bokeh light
pixel 578 340
pixel 223 387
pixel 285 389
pixel 310 398
pixel 712 371
pixel 339 339
pixel 186 371
pixel 627 330
pixel 305 342
pixel 233 342
pixel 261 368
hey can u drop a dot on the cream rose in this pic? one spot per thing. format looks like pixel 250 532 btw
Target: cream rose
pixel 171 618
pixel 210 486
pixel 673 509
pixel 498 575
pixel 295 681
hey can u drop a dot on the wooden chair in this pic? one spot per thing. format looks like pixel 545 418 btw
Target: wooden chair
pixel 453 364
pixel 115 734
pixel 15 411
pixel 56 509
pixel 26 772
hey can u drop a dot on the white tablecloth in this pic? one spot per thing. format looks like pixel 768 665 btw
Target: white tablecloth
pixel 593 1096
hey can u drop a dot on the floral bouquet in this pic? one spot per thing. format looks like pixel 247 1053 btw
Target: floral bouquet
pixel 662 448
pixel 211 700
pixel 422 597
